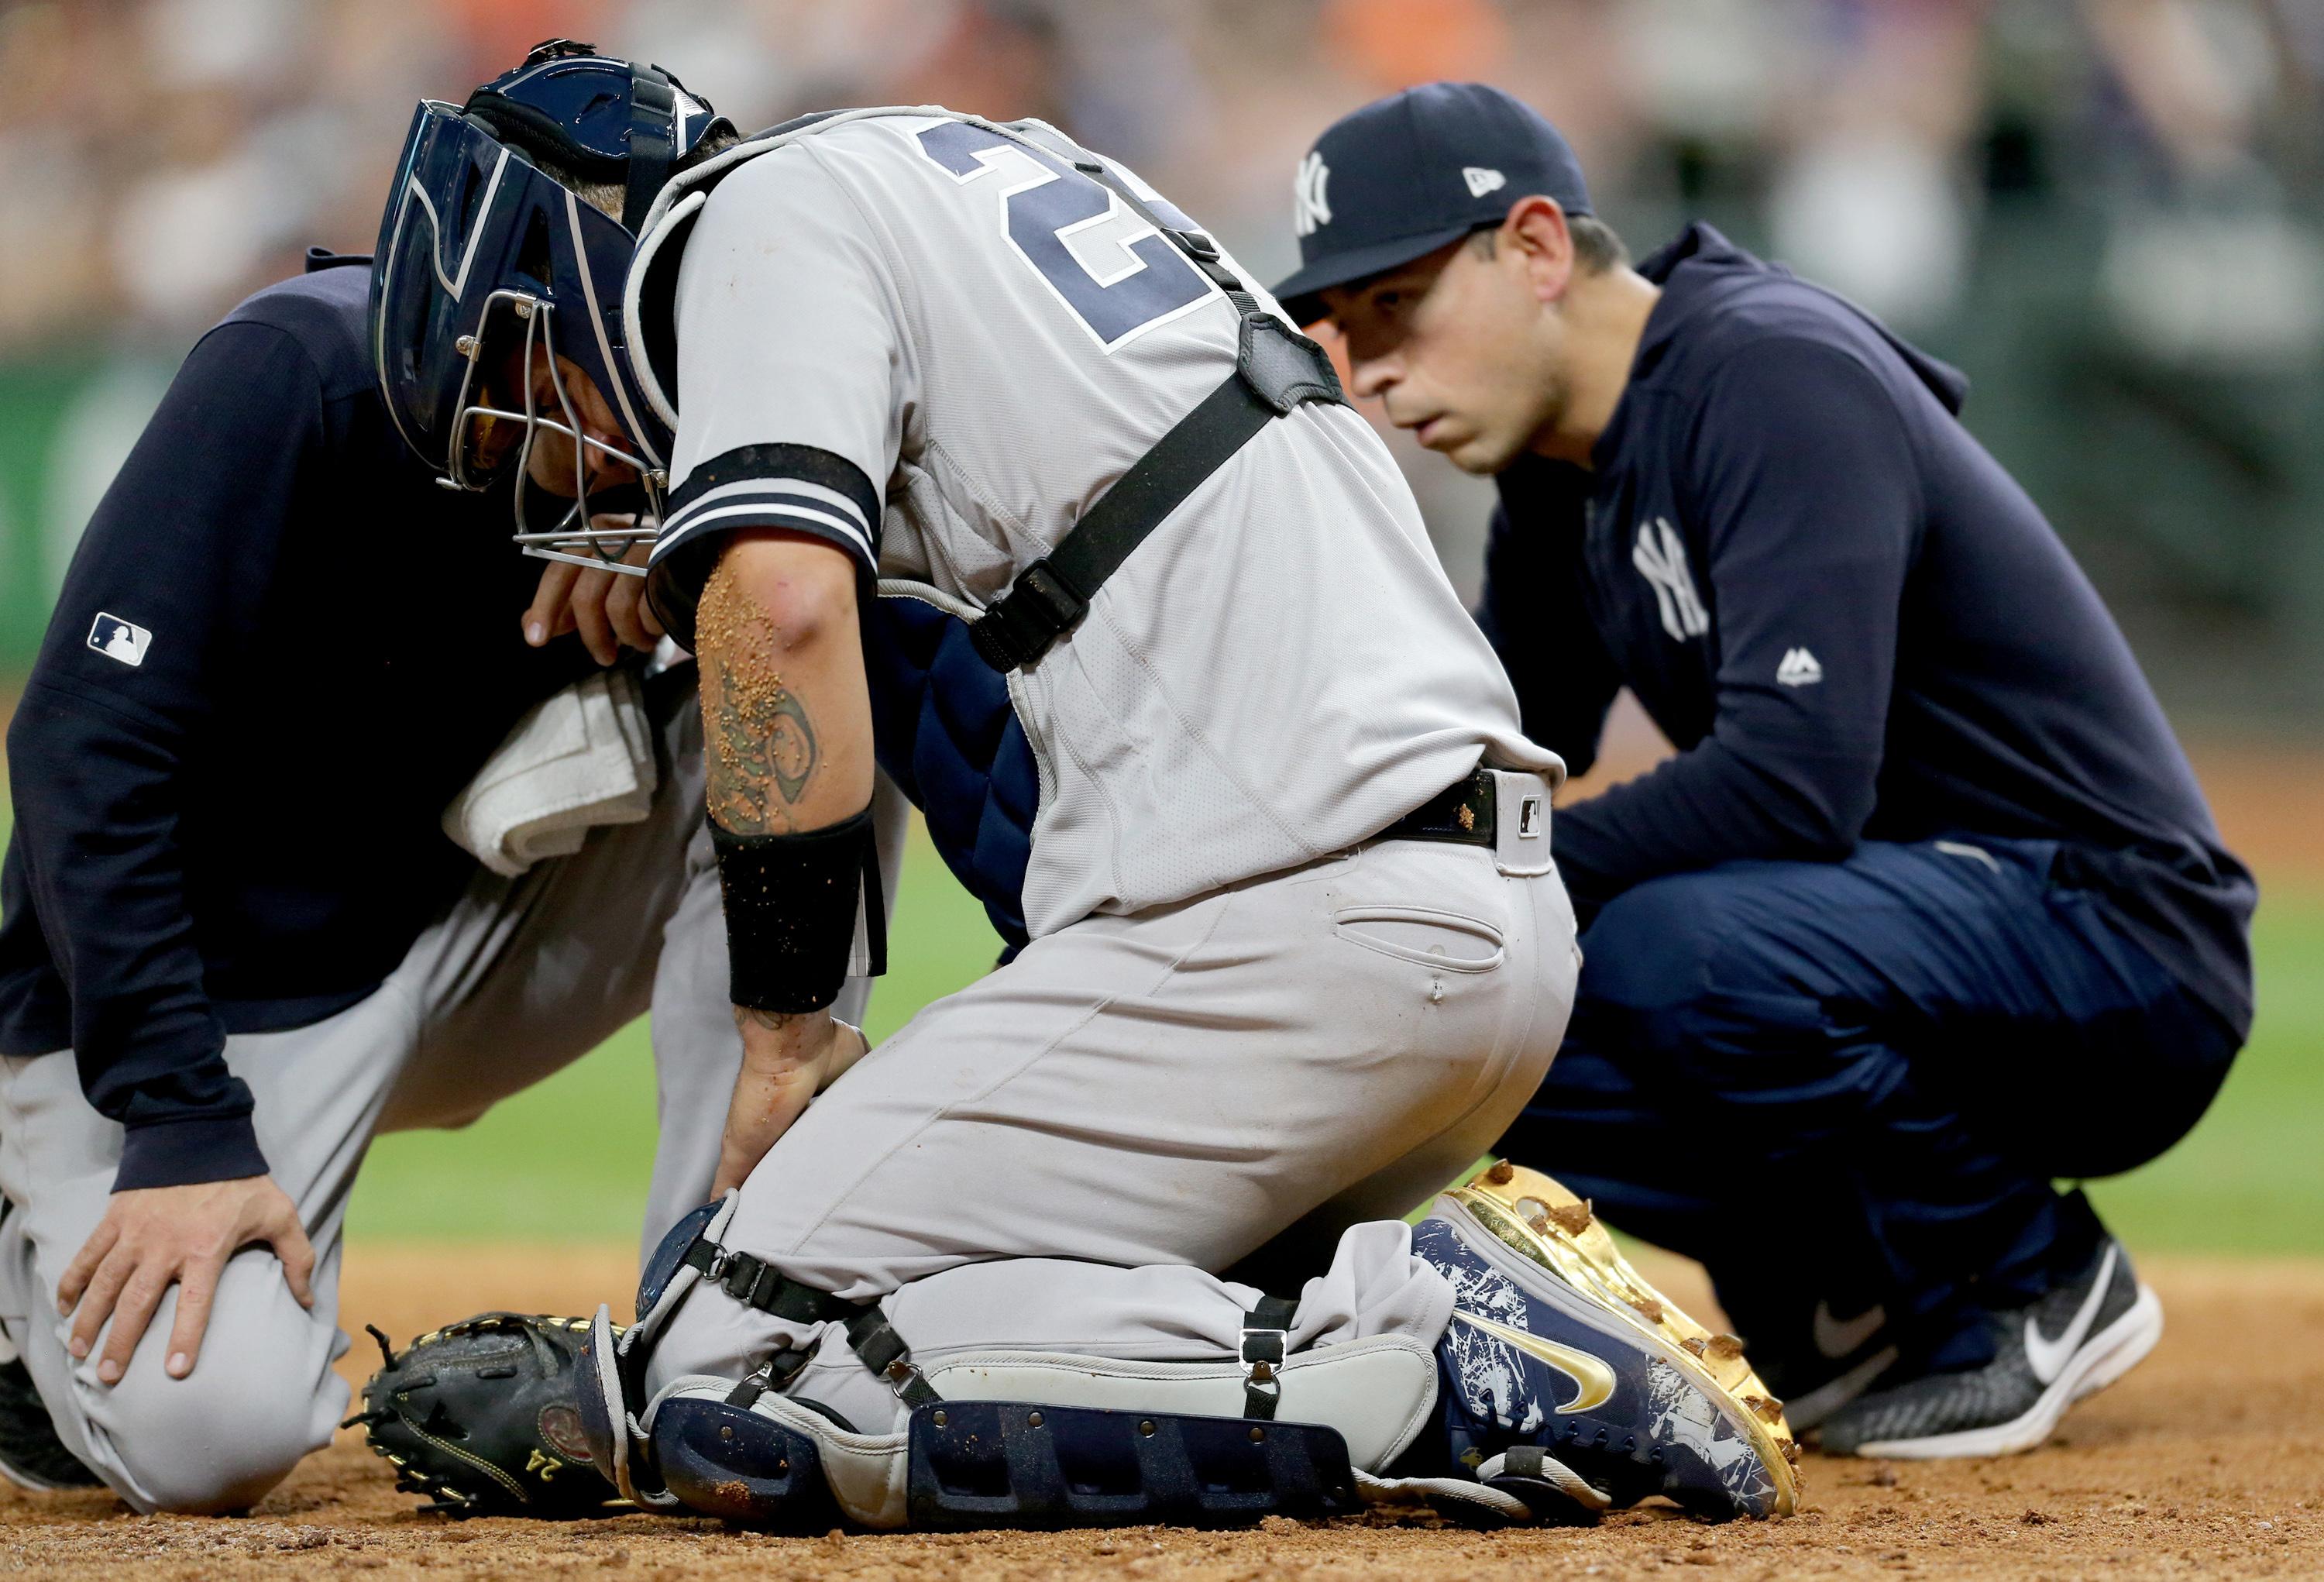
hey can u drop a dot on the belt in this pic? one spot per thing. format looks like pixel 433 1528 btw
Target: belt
pixel 1463 813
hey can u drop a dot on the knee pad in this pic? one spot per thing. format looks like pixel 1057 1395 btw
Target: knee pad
pixel 997 1437
pixel 980 1464
pixel 1053 1439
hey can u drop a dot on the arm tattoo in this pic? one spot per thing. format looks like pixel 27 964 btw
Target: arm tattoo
pixel 760 740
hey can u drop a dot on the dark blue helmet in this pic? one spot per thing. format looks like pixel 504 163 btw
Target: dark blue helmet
pixel 487 248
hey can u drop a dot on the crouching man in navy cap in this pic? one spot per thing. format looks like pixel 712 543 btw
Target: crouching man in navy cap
pixel 1928 909
pixel 238 943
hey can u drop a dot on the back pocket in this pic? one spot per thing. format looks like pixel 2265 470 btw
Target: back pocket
pixel 1445 940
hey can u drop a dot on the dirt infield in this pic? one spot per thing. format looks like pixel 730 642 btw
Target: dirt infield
pixel 2205 1462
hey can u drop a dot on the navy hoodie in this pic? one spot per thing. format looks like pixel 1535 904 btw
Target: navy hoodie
pixel 231 825
pixel 1850 621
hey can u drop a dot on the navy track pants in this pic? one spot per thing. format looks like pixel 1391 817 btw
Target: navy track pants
pixel 1860 1079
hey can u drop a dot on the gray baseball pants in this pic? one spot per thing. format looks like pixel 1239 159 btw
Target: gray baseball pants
pixel 1066 1155
pixel 516 979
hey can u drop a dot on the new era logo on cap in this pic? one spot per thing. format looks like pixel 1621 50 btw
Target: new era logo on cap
pixel 1482 180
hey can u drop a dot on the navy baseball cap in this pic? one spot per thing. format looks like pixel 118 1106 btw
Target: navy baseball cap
pixel 1407 174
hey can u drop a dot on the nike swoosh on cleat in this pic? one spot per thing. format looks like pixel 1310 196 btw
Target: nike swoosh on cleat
pixel 2048 1358
pixel 1593 1381
pixel 1836 1339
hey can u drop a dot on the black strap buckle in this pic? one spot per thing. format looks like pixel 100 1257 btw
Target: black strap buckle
pixel 756 1283
pixel 883 1351
pixel 775 1374
pixel 1039 607
pixel 1266 1338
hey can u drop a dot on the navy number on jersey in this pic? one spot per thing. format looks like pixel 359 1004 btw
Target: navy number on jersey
pixel 1123 288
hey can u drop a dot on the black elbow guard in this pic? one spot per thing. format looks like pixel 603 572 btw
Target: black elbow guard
pixel 793 904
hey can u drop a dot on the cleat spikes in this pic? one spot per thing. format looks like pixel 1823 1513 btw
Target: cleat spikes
pixel 1500 1173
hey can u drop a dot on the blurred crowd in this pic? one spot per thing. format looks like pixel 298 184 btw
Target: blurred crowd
pixel 2105 210
pixel 159 158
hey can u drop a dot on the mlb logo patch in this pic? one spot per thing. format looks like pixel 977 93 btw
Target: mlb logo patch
pixel 116 638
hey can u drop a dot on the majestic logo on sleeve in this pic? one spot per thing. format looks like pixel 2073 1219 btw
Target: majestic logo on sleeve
pixel 1309 207
pixel 1660 558
pixel 1799 668
pixel 116 638
pixel 1482 180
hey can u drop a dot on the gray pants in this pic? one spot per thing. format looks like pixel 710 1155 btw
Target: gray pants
pixel 1063 1156
pixel 516 979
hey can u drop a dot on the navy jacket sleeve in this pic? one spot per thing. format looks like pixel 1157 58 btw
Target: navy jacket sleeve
pixel 1532 613
pixel 1800 470
pixel 182 545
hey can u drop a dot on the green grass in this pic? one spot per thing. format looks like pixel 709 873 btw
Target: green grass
pixel 567 1161
pixel 2250 1178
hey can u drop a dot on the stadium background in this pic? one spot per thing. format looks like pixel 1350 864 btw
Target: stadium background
pixel 2105 211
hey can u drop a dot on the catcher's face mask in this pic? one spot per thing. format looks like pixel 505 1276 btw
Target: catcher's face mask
pixel 495 285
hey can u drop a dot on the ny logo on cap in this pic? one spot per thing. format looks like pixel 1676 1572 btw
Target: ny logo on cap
pixel 1482 180
pixel 1309 207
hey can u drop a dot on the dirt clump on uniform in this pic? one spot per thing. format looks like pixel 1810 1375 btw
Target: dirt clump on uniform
pixel 2202 1463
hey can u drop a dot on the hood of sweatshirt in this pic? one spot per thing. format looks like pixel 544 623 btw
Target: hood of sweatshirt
pixel 1702 271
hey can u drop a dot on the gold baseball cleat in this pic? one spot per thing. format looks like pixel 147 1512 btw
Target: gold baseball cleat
pixel 1539 1219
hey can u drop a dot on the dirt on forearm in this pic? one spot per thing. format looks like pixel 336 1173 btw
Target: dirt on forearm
pixel 757 734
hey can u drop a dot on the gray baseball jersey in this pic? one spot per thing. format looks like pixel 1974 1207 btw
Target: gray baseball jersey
pixel 934 347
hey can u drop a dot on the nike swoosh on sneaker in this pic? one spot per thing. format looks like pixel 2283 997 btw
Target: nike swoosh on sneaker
pixel 2047 1358
pixel 1593 1381
pixel 1837 1339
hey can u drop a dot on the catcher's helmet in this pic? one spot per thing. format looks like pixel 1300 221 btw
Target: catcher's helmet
pixel 482 253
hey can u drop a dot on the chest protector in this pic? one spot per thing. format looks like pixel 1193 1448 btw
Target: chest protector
pixel 946 731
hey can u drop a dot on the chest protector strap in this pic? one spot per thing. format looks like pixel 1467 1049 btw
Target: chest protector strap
pixel 1276 369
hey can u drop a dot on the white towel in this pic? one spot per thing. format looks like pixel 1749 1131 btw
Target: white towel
pixel 580 759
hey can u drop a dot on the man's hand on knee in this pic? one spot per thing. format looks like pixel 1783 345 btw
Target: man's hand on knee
pixel 157 1236
pixel 786 1061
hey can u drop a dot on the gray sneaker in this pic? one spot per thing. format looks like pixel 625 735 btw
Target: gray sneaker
pixel 2074 1341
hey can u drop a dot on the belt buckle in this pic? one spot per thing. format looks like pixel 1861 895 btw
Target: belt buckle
pixel 1521 844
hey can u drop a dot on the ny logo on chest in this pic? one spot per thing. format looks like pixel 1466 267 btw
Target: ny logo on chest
pixel 1660 556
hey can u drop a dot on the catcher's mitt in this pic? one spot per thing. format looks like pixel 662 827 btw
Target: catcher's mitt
pixel 481 1416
